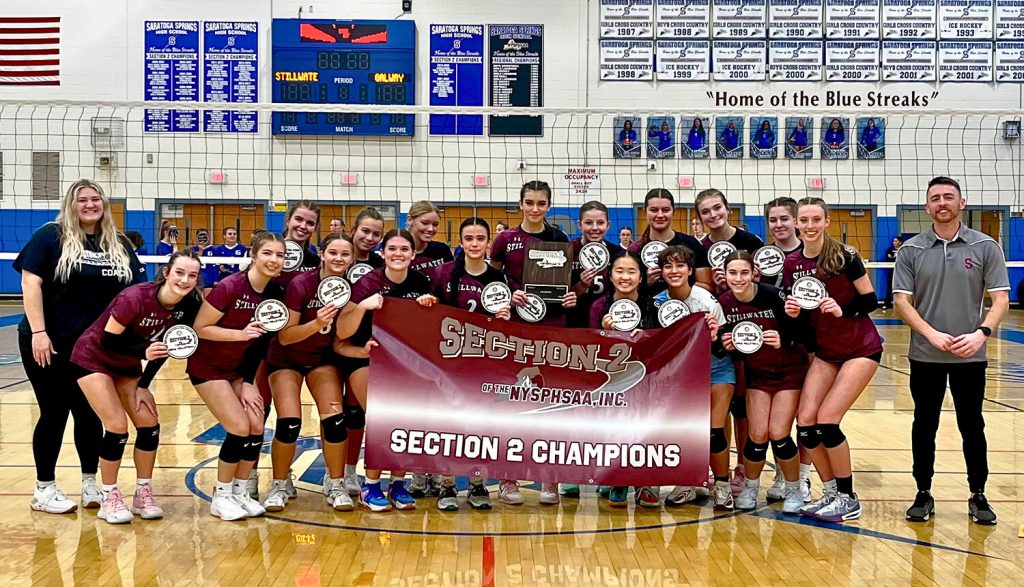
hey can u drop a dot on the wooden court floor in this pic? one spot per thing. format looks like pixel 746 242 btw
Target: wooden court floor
pixel 578 542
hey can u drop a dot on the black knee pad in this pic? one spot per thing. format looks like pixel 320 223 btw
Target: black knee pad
pixel 738 407
pixel 233 448
pixel 755 452
pixel 147 439
pixel 112 446
pixel 334 428
pixel 808 437
pixel 355 417
pixel 784 448
pixel 287 430
pixel 252 449
pixel 831 435
pixel 718 440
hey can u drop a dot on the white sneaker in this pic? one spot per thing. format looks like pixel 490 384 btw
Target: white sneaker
pixel 812 509
pixel 793 499
pixel 747 499
pixel 225 507
pixel 418 485
pixel 721 495
pixel 351 484
pixel 337 496
pixel 778 488
pixel 51 500
pixel 277 499
pixel 252 508
pixel 680 495
pixel 113 510
pixel 289 485
pixel 253 484
pixel 805 489
pixel 549 494
pixel 92 497
pixel 508 492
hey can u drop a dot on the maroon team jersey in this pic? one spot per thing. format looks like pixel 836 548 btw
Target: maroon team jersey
pixel 776 369
pixel 237 300
pixel 434 255
pixel 837 339
pixel 301 297
pixel 415 285
pixel 579 317
pixel 469 287
pixel 144 318
pixel 509 248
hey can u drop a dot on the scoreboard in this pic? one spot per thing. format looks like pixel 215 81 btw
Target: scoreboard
pixel 343 62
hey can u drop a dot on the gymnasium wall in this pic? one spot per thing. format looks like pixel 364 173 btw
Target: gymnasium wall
pixel 102 59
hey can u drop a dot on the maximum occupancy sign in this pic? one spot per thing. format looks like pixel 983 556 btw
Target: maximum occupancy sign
pixel 344 62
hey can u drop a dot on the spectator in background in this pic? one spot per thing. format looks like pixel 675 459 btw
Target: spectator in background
pixel 214 273
pixel 337 226
pixel 890 256
pixel 625 237
pixel 168 238
pixel 499 227
pixel 697 228
pixel 137 242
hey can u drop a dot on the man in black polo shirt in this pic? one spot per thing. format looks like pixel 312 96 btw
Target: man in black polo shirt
pixel 940 281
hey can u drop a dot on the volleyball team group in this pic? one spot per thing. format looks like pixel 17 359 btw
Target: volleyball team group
pixel 92 320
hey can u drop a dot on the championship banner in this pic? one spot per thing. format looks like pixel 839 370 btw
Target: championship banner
pixel 965 19
pixel 852 61
pixel 230 74
pixel 465 394
pixel 739 60
pixel 684 60
pixel 171 74
pixel 1009 61
pixel 795 19
pixel 795 61
pixel 908 61
pixel 627 19
pixel 739 19
pixel 852 19
pixel 683 19
pixel 1009 21
pixel 908 19
pixel 627 60
pixel 965 61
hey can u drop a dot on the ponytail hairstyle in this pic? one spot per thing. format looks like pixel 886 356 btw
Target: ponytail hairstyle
pixel 459 267
pixel 72 237
pixel 310 205
pixel 368 212
pixel 739 255
pixel 419 209
pixel 654 193
pixel 709 193
pixel 783 202
pixel 833 253
pixel 397 232
pixel 261 240
pixel 196 294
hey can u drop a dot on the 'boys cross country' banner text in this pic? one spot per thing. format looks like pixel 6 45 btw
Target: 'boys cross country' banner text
pixel 462 393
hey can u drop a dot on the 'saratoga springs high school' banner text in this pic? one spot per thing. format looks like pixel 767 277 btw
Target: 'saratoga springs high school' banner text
pixel 460 393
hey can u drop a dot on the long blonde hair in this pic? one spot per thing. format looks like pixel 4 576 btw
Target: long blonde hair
pixel 833 253
pixel 419 209
pixel 72 237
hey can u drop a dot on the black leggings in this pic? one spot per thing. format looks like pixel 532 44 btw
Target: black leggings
pixel 58 394
pixel 928 388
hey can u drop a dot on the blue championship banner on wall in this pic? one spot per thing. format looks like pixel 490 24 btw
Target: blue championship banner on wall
pixel 230 74
pixel 456 77
pixel 465 394
pixel 172 74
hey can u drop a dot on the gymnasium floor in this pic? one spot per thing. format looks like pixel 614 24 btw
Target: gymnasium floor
pixel 579 542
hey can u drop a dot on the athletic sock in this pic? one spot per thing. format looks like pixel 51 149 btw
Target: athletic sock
pixel 350 470
pixel 372 481
pixel 224 487
pixel 794 485
pixel 141 482
pixel 845 485
pixel 108 488
pixel 805 470
pixel 45 484
pixel 238 486
pixel 830 485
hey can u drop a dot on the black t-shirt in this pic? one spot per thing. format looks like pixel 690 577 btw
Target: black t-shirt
pixel 741 239
pixel 71 307
pixel 434 255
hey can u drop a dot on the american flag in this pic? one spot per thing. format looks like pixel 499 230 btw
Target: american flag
pixel 30 51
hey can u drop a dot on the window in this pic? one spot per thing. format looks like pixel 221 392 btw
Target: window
pixel 46 175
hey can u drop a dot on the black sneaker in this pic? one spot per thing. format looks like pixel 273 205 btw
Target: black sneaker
pixel 479 497
pixel 980 511
pixel 923 508
pixel 448 498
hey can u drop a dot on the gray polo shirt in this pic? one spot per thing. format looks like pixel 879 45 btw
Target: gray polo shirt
pixel 947 280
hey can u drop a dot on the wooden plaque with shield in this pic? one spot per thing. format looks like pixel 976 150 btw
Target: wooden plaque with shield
pixel 547 270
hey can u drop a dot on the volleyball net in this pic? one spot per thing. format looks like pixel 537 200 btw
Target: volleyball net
pixel 872 167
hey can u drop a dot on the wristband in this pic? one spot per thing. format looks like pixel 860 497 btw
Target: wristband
pixel 985 330
pixel 43 331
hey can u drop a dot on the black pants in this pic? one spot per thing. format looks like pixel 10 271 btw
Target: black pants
pixel 58 394
pixel 928 388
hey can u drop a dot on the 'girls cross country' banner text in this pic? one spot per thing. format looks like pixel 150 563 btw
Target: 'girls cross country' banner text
pixel 466 394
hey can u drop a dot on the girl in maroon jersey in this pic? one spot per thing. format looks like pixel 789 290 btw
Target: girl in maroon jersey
pixel 848 351
pixel 713 209
pixel 508 254
pixel 108 356
pixel 231 346
pixel 394 280
pixel 300 223
pixel 775 374
pixel 659 206
pixel 424 219
pixel 459 283
pixel 366 234
pixel 303 351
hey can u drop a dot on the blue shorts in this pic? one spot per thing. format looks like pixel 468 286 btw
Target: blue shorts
pixel 722 370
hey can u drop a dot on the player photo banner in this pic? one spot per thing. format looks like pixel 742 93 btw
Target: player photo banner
pixel 465 394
